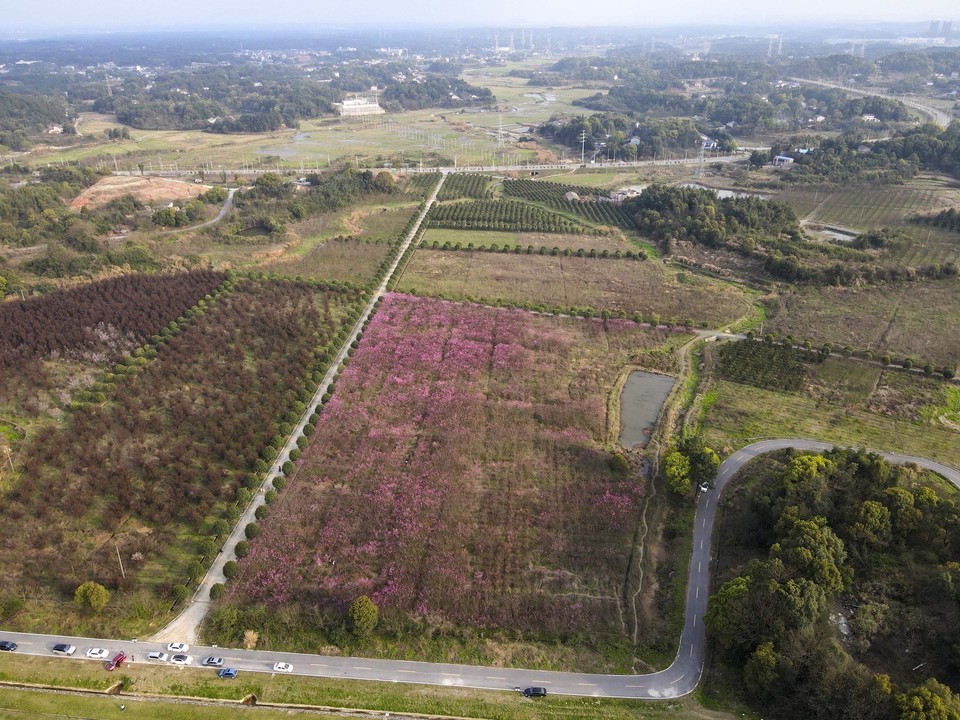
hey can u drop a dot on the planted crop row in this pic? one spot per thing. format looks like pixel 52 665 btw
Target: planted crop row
pixel 465 185
pixel 544 192
pixel 543 250
pixel 553 194
pixel 173 433
pixel 500 215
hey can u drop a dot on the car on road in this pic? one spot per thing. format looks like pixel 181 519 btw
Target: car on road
pixel 117 661
pixel 282 667
pixel 158 656
pixel 213 662
pixel 178 647
pixel 64 649
pixel 704 487
pixel 181 659
pixel 535 692
pixel 8 645
pixel 98 653
pixel 227 673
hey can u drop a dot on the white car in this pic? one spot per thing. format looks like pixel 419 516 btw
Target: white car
pixel 158 656
pixel 181 660
pixel 98 653
pixel 282 667
pixel 178 647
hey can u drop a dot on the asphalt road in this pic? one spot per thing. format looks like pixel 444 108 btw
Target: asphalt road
pixel 679 679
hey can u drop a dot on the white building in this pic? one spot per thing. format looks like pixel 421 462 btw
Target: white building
pixel 359 106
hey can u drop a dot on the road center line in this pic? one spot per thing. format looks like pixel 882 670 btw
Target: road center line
pixel 410 672
pixel 674 682
pixel 450 674
pixel 357 667
pixel 493 677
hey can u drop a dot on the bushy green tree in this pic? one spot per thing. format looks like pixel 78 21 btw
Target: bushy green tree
pixel 363 616
pixel 92 597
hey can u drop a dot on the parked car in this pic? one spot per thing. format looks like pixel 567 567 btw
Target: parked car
pixel 213 662
pixel 158 656
pixel 98 653
pixel 282 667
pixel 181 659
pixel 117 661
pixel 227 673
pixel 178 647
pixel 63 649
pixel 8 645
pixel 535 692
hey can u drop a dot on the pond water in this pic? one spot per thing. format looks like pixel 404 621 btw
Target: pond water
pixel 724 193
pixel 640 403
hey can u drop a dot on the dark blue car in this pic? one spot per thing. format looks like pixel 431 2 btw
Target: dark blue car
pixel 228 673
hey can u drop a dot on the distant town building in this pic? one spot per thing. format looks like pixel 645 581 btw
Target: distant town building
pixel 359 106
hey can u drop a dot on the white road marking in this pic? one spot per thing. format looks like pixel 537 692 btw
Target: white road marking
pixel 587 684
pixel 691 650
pixel 317 665
pixel 700 566
pixel 634 686
pixel 674 682
pixel 694 620
pixel 701 543
pixel 450 674
pixel 409 672
pixel 493 677
pixel 357 667
pixel 698 592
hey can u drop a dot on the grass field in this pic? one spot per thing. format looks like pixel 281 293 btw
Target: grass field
pixel 629 285
pixel 353 260
pixel 906 319
pixel 842 403
pixel 483 239
pixel 393 698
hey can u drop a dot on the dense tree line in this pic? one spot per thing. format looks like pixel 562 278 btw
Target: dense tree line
pixel 744 223
pixel 188 417
pixel 754 107
pixel 624 136
pixel 843 526
pixel 99 319
pixel 847 159
pixel 24 115
pixel 947 219
pixel 436 91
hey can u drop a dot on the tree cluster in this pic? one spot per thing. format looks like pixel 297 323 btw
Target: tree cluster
pixel 846 526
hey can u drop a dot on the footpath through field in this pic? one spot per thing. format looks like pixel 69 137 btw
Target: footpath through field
pixel 183 628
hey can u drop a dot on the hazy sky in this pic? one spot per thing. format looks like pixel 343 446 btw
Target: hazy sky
pixel 103 15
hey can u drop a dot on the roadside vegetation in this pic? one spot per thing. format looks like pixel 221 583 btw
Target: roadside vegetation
pixel 839 576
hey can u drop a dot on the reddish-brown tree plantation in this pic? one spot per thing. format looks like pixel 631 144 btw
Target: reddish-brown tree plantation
pixel 93 323
pixel 176 437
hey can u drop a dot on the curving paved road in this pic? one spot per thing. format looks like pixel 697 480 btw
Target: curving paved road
pixel 227 204
pixel 679 679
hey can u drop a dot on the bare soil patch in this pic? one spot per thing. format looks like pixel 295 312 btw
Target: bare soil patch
pixel 149 190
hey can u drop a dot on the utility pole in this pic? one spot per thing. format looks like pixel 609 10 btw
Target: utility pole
pixel 583 145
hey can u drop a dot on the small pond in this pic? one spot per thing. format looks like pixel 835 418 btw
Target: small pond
pixel 640 403
pixel 724 193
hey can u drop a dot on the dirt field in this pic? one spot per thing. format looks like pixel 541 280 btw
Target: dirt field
pixel 149 190
pixel 650 288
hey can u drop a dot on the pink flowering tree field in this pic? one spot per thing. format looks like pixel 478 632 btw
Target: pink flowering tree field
pixel 459 475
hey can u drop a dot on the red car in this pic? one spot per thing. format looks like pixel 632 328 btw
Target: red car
pixel 117 661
